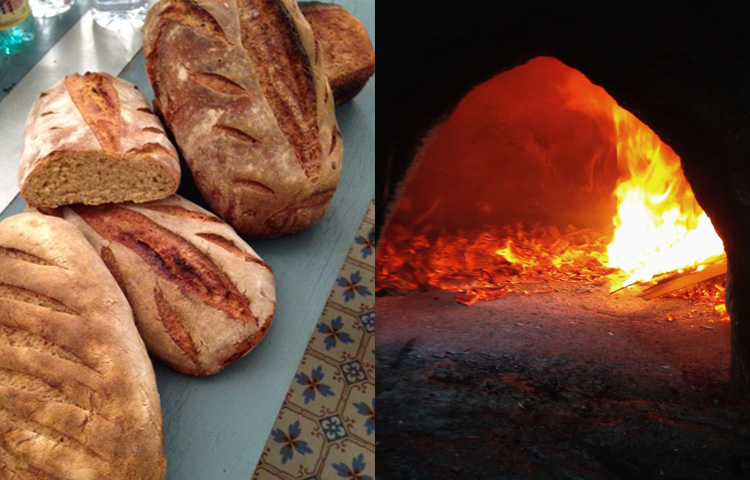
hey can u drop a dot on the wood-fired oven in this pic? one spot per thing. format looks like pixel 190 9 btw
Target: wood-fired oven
pixel 510 343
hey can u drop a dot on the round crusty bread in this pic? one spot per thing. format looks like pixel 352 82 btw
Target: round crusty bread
pixel 202 297
pixel 242 88
pixel 347 52
pixel 78 396
pixel 93 139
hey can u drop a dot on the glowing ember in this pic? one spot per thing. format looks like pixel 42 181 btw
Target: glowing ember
pixel 490 264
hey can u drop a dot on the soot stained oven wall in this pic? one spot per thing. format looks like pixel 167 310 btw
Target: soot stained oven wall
pixel 683 68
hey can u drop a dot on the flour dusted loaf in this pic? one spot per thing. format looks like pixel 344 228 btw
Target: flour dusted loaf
pixel 347 51
pixel 78 398
pixel 202 297
pixel 93 139
pixel 241 86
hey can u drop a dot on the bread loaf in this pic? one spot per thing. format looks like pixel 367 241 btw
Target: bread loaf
pixel 347 52
pixel 202 297
pixel 78 396
pixel 241 86
pixel 93 139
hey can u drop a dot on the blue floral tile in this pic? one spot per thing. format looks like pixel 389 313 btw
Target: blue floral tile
pixel 368 358
pixel 333 428
pixel 354 289
pixel 294 441
pixel 334 334
pixel 290 441
pixel 337 336
pixel 365 245
pixel 363 250
pixel 318 386
pixel 353 470
pixel 313 384
pixel 367 320
pixel 359 412
pixel 351 462
pixel 353 372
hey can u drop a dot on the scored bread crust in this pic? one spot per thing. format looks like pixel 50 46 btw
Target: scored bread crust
pixel 78 397
pixel 93 139
pixel 202 297
pixel 347 51
pixel 241 86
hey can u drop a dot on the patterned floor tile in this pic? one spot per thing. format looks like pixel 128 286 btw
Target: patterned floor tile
pixel 348 459
pixel 295 440
pixel 359 412
pixel 326 428
pixel 317 387
pixel 338 335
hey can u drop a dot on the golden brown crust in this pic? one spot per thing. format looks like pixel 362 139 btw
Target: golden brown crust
pixel 93 139
pixel 280 59
pixel 168 255
pixel 97 101
pixel 201 296
pixel 243 91
pixel 78 396
pixel 345 46
pixel 170 321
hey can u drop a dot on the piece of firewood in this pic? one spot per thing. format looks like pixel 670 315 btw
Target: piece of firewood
pixel 685 279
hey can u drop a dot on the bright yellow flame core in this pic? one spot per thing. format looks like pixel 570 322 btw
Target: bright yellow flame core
pixel 659 226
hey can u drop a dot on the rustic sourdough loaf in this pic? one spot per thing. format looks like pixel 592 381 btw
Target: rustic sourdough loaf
pixel 78 396
pixel 241 86
pixel 202 297
pixel 347 52
pixel 93 139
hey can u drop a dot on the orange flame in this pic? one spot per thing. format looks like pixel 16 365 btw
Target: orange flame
pixel 659 225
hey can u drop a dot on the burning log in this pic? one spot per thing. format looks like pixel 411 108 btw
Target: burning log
pixel 682 280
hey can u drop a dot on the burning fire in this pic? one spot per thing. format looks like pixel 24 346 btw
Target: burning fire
pixel 658 226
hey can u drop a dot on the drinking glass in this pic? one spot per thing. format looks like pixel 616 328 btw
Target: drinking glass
pixel 118 14
pixel 49 8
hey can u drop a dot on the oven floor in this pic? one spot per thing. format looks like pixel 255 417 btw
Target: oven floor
pixel 575 383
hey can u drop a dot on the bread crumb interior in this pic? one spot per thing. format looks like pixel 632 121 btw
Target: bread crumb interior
pixel 94 178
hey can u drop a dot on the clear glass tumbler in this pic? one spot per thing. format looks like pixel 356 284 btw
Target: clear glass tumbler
pixel 49 8
pixel 118 14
